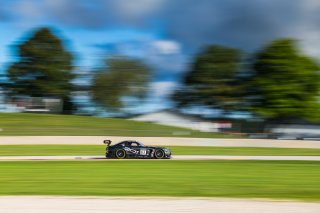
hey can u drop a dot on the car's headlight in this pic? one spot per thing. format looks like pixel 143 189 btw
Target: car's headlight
pixel 166 150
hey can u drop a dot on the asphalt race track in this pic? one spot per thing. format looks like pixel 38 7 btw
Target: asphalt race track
pixel 177 157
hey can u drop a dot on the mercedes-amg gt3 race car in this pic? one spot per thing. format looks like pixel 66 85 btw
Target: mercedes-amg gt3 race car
pixel 135 149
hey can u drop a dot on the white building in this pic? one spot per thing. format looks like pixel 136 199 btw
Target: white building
pixel 5 107
pixel 30 104
pixel 295 131
pixel 174 118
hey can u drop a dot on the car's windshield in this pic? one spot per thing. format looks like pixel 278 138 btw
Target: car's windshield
pixel 141 144
pixel 120 144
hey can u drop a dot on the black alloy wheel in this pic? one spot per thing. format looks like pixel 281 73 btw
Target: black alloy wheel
pixel 159 154
pixel 120 154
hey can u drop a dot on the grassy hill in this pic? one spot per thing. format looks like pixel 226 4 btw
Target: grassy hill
pixel 12 124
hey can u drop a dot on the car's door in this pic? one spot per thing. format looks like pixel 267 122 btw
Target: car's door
pixel 139 150
pixel 126 145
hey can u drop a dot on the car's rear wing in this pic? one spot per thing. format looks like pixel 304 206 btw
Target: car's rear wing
pixel 108 142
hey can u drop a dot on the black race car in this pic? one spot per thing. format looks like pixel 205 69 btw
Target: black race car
pixel 135 149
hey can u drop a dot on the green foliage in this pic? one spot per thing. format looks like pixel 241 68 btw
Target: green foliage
pixel 121 77
pixel 212 80
pixel 285 83
pixel 44 68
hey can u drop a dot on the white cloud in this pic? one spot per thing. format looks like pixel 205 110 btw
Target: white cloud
pixel 167 47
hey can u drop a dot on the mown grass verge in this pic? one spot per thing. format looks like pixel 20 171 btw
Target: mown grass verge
pixel 64 150
pixel 242 179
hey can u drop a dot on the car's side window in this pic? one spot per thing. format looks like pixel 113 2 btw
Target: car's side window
pixel 134 144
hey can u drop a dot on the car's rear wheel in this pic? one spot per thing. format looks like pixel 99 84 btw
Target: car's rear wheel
pixel 120 154
pixel 159 154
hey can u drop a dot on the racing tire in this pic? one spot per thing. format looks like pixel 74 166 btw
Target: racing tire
pixel 159 154
pixel 120 154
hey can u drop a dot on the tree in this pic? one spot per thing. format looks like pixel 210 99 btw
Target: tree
pixel 43 69
pixel 121 78
pixel 212 80
pixel 285 83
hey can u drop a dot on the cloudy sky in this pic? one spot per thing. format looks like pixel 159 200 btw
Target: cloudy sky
pixel 165 33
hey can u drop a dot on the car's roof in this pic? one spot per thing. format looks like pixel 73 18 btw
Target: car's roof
pixel 129 141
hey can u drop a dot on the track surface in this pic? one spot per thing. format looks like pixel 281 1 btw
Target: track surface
pixel 47 204
pixel 160 141
pixel 177 157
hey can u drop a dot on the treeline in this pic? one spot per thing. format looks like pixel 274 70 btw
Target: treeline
pixel 277 82
pixel 44 68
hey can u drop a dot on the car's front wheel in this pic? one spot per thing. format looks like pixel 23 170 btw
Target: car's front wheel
pixel 159 154
pixel 120 154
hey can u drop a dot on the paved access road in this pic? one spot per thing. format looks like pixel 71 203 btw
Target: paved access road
pixel 176 157
pixel 160 141
pixel 47 204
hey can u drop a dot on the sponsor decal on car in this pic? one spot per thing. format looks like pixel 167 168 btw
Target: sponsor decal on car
pixel 143 151
pixel 131 150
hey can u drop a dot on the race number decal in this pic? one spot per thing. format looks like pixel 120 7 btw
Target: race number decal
pixel 143 151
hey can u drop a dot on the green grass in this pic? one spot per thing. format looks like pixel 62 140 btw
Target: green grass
pixel 242 179
pixel 24 124
pixel 38 150
pixel 200 150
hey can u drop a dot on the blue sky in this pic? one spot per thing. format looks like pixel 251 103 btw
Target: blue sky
pixel 164 33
